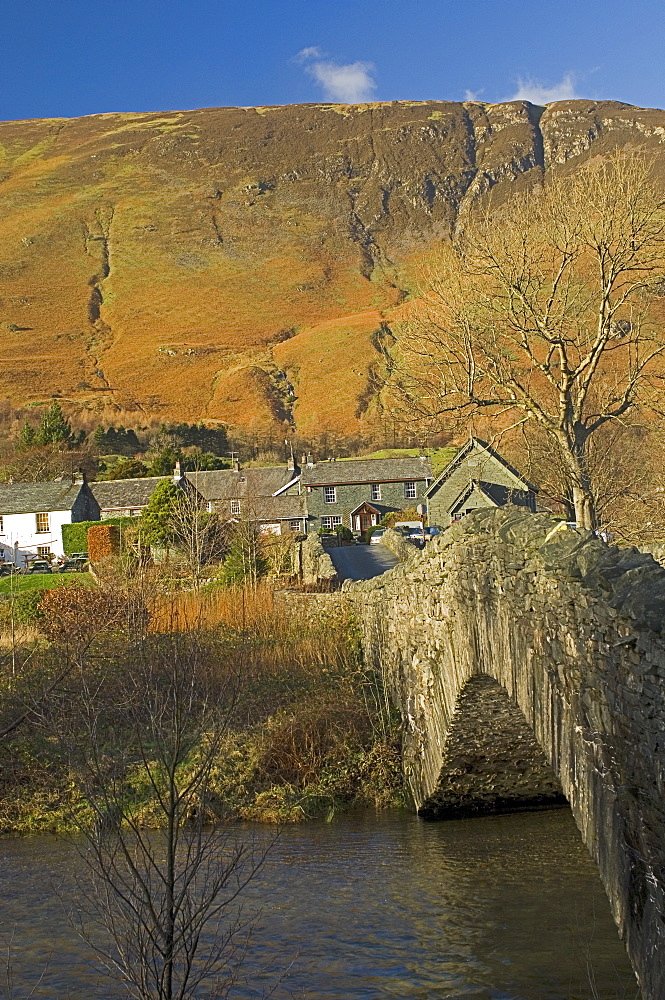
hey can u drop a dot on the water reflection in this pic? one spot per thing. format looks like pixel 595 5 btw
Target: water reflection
pixel 501 908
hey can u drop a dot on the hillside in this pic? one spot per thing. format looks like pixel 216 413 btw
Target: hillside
pixel 239 264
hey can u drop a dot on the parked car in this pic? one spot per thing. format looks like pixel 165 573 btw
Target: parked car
pixel 377 536
pixel 39 566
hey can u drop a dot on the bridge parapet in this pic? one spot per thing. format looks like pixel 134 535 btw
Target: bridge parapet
pixel 572 631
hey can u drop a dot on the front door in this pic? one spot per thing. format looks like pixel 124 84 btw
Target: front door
pixel 365 522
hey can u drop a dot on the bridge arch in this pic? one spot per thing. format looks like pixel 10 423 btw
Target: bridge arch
pixel 491 761
pixel 572 631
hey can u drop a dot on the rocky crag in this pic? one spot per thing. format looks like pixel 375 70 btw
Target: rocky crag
pixel 245 264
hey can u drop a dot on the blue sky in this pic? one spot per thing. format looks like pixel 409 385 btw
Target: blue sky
pixel 68 58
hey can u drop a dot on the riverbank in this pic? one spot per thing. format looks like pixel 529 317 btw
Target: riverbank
pixel 303 731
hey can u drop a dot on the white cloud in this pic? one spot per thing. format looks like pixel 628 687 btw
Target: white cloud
pixel 350 83
pixel 533 90
pixel 473 95
pixel 311 52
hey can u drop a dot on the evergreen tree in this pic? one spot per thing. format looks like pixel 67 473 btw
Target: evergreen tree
pixel 54 428
pixel 245 562
pixel 156 527
pixel 125 468
pixel 27 438
pixel 164 462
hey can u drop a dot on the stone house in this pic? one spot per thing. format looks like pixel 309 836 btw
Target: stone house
pixel 477 477
pixel 359 492
pixel 270 496
pixel 124 497
pixel 32 516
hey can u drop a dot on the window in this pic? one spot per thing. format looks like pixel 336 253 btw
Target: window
pixel 235 507
pixel 329 494
pixel 2 525
pixel 42 521
pixel 294 525
pixel 44 551
pixel 376 491
pixel 409 491
pixel 330 522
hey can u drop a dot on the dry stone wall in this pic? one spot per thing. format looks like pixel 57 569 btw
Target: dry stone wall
pixel 572 631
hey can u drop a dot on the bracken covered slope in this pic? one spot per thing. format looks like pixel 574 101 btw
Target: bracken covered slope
pixel 240 264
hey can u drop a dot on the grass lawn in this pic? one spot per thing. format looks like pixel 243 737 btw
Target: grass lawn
pixel 42 581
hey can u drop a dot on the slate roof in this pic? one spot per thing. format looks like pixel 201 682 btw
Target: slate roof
pixel 116 494
pixel 367 470
pixel 228 484
pixel 33 498
pixel 283 508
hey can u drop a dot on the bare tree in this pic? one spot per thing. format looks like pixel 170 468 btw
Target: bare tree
pixel 200 534
pixel 159 906
pixel 547 310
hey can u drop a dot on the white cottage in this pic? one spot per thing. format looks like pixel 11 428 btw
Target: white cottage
pixel 32 516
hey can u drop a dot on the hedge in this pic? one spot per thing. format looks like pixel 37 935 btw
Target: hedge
pixel 103 541
pixel 75 536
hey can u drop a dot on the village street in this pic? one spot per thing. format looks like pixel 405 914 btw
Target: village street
pixel 361 562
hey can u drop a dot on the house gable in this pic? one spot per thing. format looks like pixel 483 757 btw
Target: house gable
pixel 479 466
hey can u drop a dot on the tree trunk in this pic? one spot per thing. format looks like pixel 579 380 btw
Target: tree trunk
pixel 585 512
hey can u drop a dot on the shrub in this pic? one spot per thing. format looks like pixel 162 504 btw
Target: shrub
pixel 24 606
pixel 344 533
pixel 103 541
pixel 76 614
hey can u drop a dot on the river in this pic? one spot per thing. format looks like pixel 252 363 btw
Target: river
pixel 368 907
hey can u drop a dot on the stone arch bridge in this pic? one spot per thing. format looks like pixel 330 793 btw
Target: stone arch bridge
pixel 528 662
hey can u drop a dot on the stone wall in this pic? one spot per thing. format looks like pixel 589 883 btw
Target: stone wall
pixel 398 544
pixel 571 630
pixel 315 565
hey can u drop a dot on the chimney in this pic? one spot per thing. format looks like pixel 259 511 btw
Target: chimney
pixel 79 478
pixel 236 465
pixel 303 461
pixel 310 461
pixel 177 473
pixel 291 463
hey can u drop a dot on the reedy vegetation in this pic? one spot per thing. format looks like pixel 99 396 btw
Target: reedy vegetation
pixel 305 729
